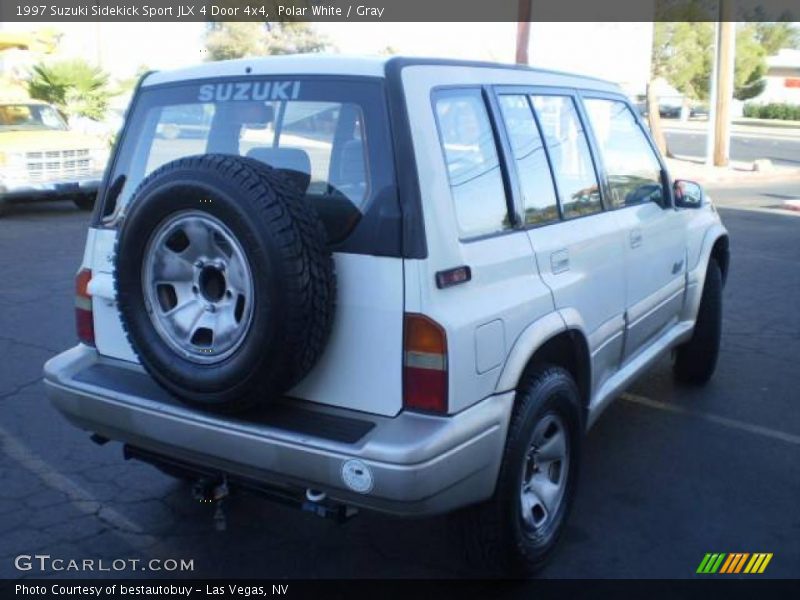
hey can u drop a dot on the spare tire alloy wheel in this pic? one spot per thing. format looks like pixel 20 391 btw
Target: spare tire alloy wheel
pixel 225 283
pixel 198 286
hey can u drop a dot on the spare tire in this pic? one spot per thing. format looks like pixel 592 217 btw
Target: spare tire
pixel 224 281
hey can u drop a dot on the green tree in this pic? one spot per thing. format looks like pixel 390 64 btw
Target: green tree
pixel 683 53
pixel 227 40
pixel 776 36
pixel 751 64
pixel 76 87
pixel 295 38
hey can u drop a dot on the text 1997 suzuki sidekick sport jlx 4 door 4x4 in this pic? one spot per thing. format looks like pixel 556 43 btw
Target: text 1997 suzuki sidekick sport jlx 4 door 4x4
pixel 405 285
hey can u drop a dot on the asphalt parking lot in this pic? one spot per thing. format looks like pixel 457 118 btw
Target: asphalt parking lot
pixel 669 473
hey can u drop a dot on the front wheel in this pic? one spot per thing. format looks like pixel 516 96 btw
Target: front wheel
pixel 696 360
pixel 516 532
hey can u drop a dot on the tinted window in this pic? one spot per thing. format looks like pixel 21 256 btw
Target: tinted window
pixel 309 131
pixel 472 163
pixel 538 193
pixel 634 173
pixel 569 151
pixel 317 133
pixel 181 130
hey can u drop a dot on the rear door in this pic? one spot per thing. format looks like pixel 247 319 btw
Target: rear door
pixel 331 134
pixel 655 238
pixel 473 223
pixel 577 244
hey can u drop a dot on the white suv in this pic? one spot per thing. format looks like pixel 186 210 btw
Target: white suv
pixel 405 285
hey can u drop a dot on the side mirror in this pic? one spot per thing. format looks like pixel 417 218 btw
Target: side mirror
pixel 688 194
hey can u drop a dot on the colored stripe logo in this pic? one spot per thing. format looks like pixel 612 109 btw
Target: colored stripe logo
pixel 734 562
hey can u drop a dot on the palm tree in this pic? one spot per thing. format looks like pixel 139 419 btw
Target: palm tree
pixel 76 87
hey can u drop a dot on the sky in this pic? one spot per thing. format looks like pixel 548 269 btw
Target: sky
pixel 623 55
pixel 123 47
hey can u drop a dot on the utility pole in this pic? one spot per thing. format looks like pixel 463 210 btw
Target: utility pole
pixel 654 119
pixel 523 31
pixel 722 87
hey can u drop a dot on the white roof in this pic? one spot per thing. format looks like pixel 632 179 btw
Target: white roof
pixel 291 64
pixel 339 64
pixel 785 58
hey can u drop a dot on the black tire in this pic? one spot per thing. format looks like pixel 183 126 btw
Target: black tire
pixel 85 201
pixel 696 360
pixel 495 536
pixel 292 272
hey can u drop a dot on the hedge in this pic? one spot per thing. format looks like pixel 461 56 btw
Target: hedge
pixel 782 111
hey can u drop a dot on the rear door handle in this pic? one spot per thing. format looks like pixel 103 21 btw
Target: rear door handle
pixel 559 261
pixel 636 238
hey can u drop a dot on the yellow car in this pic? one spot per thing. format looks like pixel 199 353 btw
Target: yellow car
pixel 41 158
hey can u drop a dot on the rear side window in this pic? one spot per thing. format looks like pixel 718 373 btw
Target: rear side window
pixel 634 173
pixel 569 150
pixel 473 167
pixel 331 138
pixel 533 170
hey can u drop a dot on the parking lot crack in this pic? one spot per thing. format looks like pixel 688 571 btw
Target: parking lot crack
pixel 30 345
pixel 20 388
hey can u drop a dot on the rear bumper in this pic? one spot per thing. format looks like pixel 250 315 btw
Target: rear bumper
pixel 19 190
pixel 419 464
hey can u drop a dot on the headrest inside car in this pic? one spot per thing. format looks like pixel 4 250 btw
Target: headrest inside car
pixel 294 162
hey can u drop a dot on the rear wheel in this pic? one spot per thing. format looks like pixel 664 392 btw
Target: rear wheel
pixel 516 532
pixel 696 360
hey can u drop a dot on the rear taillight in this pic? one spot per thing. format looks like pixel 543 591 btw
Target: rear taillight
pixel 84 320
pixel 424 365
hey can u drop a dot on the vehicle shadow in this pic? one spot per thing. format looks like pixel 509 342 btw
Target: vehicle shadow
pixel 10 210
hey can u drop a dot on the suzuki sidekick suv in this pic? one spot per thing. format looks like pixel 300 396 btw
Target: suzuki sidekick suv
pixel 403 285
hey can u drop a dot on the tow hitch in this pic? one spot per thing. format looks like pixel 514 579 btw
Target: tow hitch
pixel 205 490
pixel 212 486
pixel 316 503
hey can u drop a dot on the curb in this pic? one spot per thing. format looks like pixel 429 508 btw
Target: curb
pixel 773 123
pixel 706 175
pixel 771 131
pixel 749 178
pixel 703 124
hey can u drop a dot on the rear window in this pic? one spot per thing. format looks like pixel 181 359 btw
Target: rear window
pixel 329 137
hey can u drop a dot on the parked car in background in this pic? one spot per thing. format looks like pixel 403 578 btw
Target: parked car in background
pixel 669 111
pixel 666 111
pixel 40 157
pixel 189 121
